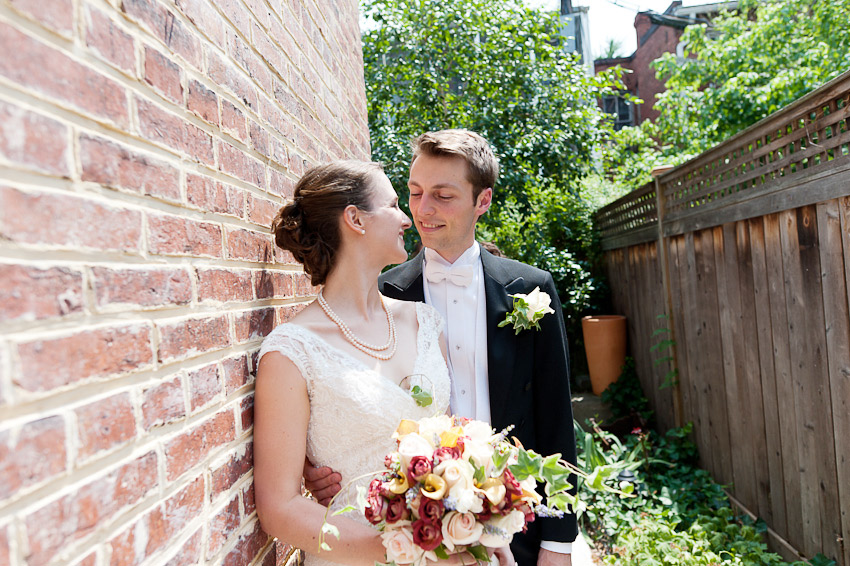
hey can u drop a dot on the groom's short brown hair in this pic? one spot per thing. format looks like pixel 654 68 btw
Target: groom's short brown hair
pixel 482 164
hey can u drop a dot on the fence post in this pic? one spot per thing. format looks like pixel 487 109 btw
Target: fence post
pixel 664 261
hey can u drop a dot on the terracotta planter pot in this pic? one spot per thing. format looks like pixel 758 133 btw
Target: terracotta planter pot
pixel 605 346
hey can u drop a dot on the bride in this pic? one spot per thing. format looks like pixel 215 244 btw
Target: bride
pixel 330 382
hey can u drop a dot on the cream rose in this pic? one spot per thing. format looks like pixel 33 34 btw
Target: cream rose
pixel 460 529
pixel 499 530
pixel 538 302
pixel 431 427
pixel 458 475
pixel 412 445
pixel 398 541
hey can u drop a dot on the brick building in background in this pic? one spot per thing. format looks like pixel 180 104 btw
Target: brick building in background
pixel 657 34
pixel 144 147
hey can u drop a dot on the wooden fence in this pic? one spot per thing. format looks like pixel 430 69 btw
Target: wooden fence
pixel 743 253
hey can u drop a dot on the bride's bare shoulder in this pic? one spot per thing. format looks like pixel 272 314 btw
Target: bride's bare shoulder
pixel 402 309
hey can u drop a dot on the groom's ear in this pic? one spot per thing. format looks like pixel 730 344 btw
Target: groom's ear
pixel 484 200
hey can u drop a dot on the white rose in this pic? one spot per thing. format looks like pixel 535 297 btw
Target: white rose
pixel 460 529
pixel 467 498
pixel 478 431
pixel 398 541
pixel 480 452
pixel 431 427
pixel 500 530
pixel 413 445
pixel 537 301
pixel 456 471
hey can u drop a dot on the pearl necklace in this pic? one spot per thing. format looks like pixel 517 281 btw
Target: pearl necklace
pixel 370 349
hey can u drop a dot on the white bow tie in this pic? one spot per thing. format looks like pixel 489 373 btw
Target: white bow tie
pixel 460 275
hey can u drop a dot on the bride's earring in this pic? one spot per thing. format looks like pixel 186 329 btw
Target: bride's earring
pixel 363 232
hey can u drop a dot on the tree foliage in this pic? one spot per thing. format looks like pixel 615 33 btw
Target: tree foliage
pixel 745 65
pixel 495 67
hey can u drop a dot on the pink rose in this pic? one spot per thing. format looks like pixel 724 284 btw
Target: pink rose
pixel 396 510
pixel 420 466
pixel 461 529
pixel 400 546
pixel 446 453
pixel 376 508
pixel 427 534
pixel 431 509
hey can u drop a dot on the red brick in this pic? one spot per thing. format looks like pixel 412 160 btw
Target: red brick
pixel 193 336
pixel 214 196
pixel 280 184
pixel 233 121
pixel 242 166
pixel 164 75
pixel 249 245
pixel 190 448
pixel 32 455
pixel 33 141
pixel 159 527
pixel 246 412
pixel 244 55
pixel 278 153
pixel 207 21
pixel 247 548
pixel 239 464
pixel 50 72
pixel 166 27
pixel 224 524
pixel 105 424
pixel 236 373
pixel 273 284
pixel 237 14
pixel 223 73
pixel 261 211
pixel 285 314
pixel 173 235
pixel 203 102
pixel 224 285
pixel 49 363
pixel 77 514
pixel 204 385
pixel 173 131
pixel 260 139
pixel 190 551
pixel 163 403
pixel 109 41
pixel 29 293
pixel 142 287
pixel 248 503
pixel 284 257
pixel 56 15
pixel 114 165
pixel 254 324
pixel 43 218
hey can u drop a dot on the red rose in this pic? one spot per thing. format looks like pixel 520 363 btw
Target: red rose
pixel 446 453
pixel 485 514
pixel 431 509
pixel 420 466
pixel 396 510
pixel 376 508
pixel 427 535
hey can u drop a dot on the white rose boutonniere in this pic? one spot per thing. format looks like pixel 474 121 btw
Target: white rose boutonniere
pixel 528 310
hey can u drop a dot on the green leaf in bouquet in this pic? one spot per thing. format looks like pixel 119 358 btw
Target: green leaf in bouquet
pixel 528 464
pixel 423 398
pixel 361 498
pixel 346 509
pixel 325 546
pixel 564 501
pixel 441 552
pixel 479 553
pixel 480 473
pixel 501 455
pixel 328 529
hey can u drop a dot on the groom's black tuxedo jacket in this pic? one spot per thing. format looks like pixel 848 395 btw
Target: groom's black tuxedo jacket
pixel 528 372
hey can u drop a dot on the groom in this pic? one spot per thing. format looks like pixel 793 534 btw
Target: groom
pixel 497 375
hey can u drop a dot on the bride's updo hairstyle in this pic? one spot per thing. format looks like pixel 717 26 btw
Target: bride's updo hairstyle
pixel 308 225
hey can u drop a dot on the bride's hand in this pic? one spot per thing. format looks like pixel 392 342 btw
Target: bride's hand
pixel 505 556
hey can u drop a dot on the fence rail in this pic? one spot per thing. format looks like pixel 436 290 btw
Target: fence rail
pixel 745 251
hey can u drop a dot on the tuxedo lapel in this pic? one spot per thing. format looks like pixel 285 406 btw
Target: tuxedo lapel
pixel 501 343
pixel 405 281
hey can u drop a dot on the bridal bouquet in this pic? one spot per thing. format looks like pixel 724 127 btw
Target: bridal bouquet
pixel 454 485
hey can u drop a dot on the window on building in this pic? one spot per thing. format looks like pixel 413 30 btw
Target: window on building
pixel 622 109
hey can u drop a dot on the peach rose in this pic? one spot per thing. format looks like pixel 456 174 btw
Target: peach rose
pixel 399 544
pixel 460 529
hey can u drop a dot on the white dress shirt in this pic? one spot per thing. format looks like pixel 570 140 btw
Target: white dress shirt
pixel 466 339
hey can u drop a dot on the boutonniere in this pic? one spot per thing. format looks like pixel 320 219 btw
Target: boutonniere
pixel 528 310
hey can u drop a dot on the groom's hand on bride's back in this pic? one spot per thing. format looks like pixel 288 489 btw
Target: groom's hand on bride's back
pixel 323 483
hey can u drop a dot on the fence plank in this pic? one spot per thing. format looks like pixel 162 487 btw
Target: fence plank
pixel 834 271
pixel 731 338
pixel 770 403
pixel 676 253
pixel 784 381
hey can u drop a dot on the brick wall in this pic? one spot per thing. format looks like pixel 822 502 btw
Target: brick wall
pixel 144 148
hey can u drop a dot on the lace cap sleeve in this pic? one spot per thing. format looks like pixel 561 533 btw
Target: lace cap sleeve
pixel 294 343
pixel 430 320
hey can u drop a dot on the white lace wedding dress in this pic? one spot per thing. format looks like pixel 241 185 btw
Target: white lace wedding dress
pixel 354 410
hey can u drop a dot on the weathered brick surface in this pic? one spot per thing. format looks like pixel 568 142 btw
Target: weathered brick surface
pixel 145 146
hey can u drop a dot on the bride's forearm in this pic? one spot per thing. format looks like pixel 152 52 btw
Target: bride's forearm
pixel 298 521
